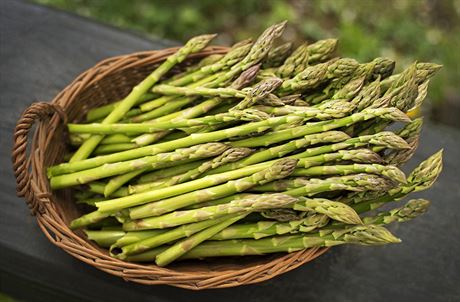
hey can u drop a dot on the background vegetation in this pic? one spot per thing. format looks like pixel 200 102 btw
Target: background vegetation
pixel 405 30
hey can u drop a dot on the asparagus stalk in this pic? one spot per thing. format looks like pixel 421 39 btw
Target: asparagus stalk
pixel 155 161
pixel 110 207
pixel 355 182
pixel 78 139
pixel 102 111
pixel 280 169
pixel 277 55
pixel 188 141
pixel 424 72
pixel 259 92
pixel 295 63
pixel 169 172
pixel 112 148
pixel 363 235
pixel 167 105
pixel 228 156
pixel 192 46
pixel 332 209
pixel 385 139
pixel 166 236
pixel 182 247
pixel 360 155
pixel 132 128
pixel 132 237
pixel 244 79
pixel 104 238
pixel 412 209
pixel 235 54
pixel 266 228
pixel 306 54
pixel 391 172
pixel 310 128
pixel 250 204
pixel 315 75
pixel 226 92
pixel 421 178
pixel 258 52
pixel 205 74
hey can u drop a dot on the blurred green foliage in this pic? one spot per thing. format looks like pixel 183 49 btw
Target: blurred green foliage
pixel 405 30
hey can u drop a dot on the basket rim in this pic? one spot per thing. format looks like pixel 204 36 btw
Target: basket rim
pixel 50 220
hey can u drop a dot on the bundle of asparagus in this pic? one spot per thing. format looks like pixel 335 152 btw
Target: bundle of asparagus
pixel 261 150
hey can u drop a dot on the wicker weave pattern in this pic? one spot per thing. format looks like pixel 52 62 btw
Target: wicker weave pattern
pixel 109 81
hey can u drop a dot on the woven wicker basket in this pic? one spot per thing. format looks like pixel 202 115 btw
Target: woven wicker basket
pixel 108 81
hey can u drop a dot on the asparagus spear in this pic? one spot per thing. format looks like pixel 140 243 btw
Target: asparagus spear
pixel 197 138
pixel 239 206
pixel 310 128
pixel 277 55
pixel 332 209
pixel 112 148
pixel 169 172
pixel 155 161
pixel 321 51
pixel 228 156
pixel 233 56
pixel 166 236
pixel 355 182
pixel 413 208
pixel 192 46
pixel 103 111
pixel 391 172
pixel 282 214
pixel 104 238
pixel 223 92
pixel 257 53
pixel 110 207
pixel 280 169
pixel 361 155
pixel 133 128
pixel 385 139
pixel 306 54
pixel 295 63
pixel 244 79
pixel 424 72
pixel 135 236
pixel 205 75
pixel 266 228
pixel 182 247
pixel 421 178
pixel 315 75
pixel 259 92
pixel 363 235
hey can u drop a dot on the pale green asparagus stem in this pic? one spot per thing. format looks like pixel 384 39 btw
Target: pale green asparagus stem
pixel 147 243
pixel 310 128
pixel 391 172
pixel 182 247
pixel 101 112
pixel 253 203
pixel 280 169
pixel 193 45
pixel 155 161
pixel 197 138
pixel 363 235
